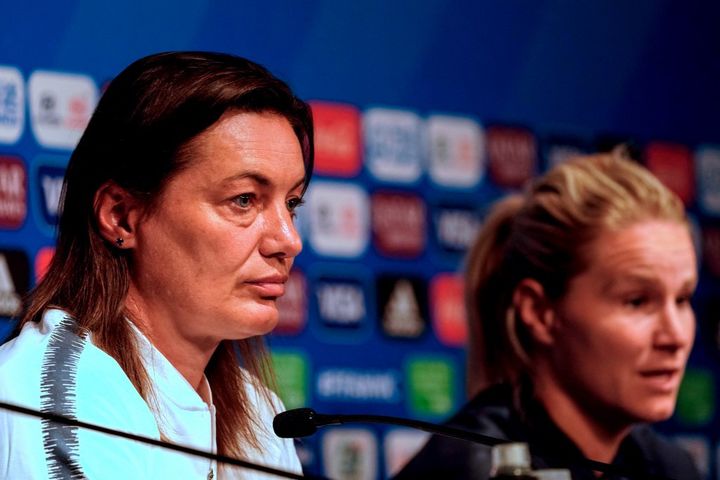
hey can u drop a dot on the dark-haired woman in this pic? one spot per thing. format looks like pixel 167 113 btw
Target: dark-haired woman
pixel 175 242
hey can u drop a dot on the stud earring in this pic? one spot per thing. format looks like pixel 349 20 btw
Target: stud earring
pixel 119 241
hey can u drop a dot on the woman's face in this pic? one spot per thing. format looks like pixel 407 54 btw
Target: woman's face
pixel 213 257
pixel 625 327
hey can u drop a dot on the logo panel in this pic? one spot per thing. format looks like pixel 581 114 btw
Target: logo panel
pixel 292 307
pixel 431 386
pixel 42 262
pixel 337 139
pixel 293 375
pixel 707 164
pixel 455 228
pixel 47 177
pixel 14 281
pixel 672 164
pixel 513 155
pixel 398 224
pixel 350 453
pixel 393 144
pixel 402 305
pixel 13 192
pixel 355 385
pixel 340 303
pixel 456 151
pixel 60 107
pixel 339 219
pixel 12 105
pixel 696 398
pixel 448 309
pixel 400 445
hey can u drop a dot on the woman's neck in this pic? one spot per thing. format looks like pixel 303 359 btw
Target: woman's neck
pixel 189 356
pixel 597 437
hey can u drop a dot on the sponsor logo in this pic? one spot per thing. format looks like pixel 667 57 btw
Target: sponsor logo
pixel 402 305
pixel 14 281
pixel 456 151
pixel 340 303
pixel 292 307
pixel 13 192
pixel 696 399
pixel 672 164
pixel 47 181
pixel 455 228
pixel 711 250
pixel 513 155
pixel 398 224
pixel 707 165
pixel 448 309
pixel 42 262
pixel 339 219
pixel 291 369
pixel 400 445
pixel 345 384
pixel 699 449
pixel 12 105
pixel 561 149
pixel 337 139
pixel 431 386
pixel 393 144
pixel 350 453
pixel 60 107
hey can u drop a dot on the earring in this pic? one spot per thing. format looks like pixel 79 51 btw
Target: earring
pixel 119 242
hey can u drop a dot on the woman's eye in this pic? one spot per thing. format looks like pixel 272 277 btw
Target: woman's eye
pixel 294 203
pixel 244 200
pixel 636 302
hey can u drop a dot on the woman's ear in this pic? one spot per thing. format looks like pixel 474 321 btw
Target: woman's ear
pixel 117 213
pixel 535 311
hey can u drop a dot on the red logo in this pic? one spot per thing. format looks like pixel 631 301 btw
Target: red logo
pixel 337 139
pixel 398 224
pixel 711 250
pixel 448 309
pixel 292 307
pixel 42 262
pixel 672 164
pixel 13 192
pixel 512 153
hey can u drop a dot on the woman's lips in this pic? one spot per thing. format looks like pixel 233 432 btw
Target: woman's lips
pixel 271 287
pixel 662 379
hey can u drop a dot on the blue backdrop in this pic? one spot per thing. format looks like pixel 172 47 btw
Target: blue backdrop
pixel 427 110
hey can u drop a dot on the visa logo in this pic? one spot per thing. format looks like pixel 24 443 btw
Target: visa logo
pixel 341 303
pixel 456 228
pixel 51 182
pixel 356 385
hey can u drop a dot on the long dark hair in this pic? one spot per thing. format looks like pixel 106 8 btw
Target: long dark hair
pixel 135 138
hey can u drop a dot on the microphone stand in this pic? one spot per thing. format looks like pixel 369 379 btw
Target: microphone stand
pixel 151 441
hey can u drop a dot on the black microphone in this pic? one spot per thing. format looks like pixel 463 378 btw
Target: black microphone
pixel 301 422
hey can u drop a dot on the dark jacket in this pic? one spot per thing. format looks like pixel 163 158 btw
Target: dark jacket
pixel 492 413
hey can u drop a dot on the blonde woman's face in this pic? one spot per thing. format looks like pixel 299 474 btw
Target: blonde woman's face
pixel 625 327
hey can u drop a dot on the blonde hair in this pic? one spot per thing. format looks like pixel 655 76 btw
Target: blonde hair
pixel 542 234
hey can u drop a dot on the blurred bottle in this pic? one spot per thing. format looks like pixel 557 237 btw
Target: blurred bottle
pixel 552 474
pixel 511 461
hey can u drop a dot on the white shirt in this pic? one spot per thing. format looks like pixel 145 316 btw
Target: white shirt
pixel 49 368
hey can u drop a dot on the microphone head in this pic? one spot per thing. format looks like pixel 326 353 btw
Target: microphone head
pixel 296 423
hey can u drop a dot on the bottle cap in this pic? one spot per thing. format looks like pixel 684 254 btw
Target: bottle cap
pixel 552 474
pixel 510 456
